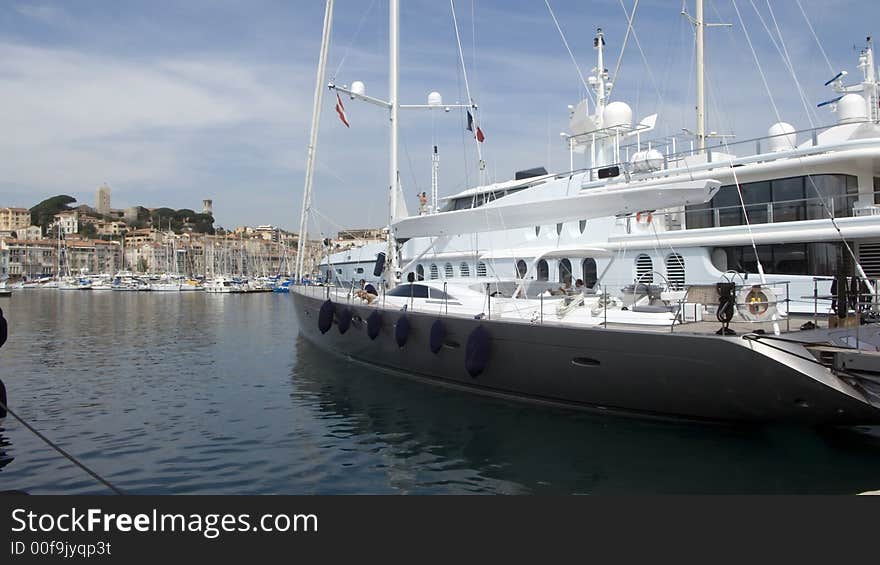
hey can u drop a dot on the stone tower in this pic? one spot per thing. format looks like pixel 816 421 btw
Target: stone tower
pixel 102 199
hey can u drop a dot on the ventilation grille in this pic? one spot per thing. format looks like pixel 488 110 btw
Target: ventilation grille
pixel 481 269
pixel 435 273
pixel 675 271
pixel 447 269
pixel 869 257
pixel 464 270
pixel 644 269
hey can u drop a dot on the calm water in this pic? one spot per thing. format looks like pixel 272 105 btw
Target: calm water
pixel 196 393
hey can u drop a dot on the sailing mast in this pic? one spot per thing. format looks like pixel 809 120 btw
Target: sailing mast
pixel 394 167
pixel 313 140
pixel 700 26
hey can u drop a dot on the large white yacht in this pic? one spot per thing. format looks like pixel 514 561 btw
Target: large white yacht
pixel 657 236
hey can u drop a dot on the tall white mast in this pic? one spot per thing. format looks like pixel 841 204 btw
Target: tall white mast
pixel 699 25
pixel 394 103
pixel 313 140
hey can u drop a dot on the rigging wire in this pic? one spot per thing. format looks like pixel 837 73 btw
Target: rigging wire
pixel 570 54
pixel 642 53
pixel 353 40
pixel 62 452
pixel 783 53
pixel 629 27
pixel 816 37
pixel 467 88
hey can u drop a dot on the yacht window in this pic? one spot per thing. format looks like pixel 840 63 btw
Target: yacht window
pixel 521 269
pixel 481 269
pixel 447 269
pixel 537 231
pixel 582 225
pixel 360 270
pixel 590 272
pixel 435 273
pixel 788 196
pixel 543 271
pixel 780 200
pixel 338 271
pixel 565 271
pixel 420 272
pixel 462 203
pixel 464 270
pixel 409 290
pixel 558 229
pixel 675 271
pixel 644 269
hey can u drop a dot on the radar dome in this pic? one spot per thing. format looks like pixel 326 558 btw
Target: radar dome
pixel 434 99
pixel 782 137
pixel 851 108
pixel 617 114
pixel 358 88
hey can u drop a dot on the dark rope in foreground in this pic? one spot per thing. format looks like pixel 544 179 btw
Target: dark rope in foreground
pixel 60 450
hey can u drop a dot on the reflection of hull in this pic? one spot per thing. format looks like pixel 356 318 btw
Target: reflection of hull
pixel 650 374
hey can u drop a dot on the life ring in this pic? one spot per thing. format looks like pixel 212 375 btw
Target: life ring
pixel 325 316
pixel 756 304
pixel 644 218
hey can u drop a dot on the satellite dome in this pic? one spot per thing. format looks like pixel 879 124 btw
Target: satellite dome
pixel 782 137
pixel 851 108
pixel 358 87
pixel 617 114
pixel 434 99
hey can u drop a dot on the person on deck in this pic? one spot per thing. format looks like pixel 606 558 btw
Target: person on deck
pixel 367 292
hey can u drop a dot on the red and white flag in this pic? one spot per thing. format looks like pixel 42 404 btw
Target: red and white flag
pixel 340 109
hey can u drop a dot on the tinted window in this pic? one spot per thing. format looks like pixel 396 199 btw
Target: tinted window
pixel 413 290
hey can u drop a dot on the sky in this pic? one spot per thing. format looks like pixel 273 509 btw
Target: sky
pixel 169 103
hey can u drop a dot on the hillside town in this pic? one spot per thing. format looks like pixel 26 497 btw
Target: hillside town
pixel 99 240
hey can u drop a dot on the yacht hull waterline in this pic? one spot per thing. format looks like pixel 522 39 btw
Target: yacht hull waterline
pixel 647 374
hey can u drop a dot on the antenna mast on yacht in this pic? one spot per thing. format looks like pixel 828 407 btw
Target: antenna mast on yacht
pixel 701 82
pixel 700 26
pixel 313 141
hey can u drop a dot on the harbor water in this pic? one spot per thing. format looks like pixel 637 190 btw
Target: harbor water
pixel 194 393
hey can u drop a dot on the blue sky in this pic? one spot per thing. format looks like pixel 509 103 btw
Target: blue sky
pixel 173 102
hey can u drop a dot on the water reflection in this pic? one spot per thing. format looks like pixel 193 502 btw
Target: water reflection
pixel 5 456
pixel 433 438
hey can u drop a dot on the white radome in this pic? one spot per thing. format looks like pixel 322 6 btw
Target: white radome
pixel 782 137
pixel 434 99
pixel 851 108
pixel 617 114
pixel 359 88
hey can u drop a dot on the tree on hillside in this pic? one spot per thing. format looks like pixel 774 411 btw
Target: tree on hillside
pixel 88 231
pixel 43 214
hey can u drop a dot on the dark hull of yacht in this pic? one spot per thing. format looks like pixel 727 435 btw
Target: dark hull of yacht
pixel 630 372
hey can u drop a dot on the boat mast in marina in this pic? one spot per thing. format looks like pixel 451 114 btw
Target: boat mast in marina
pixel 313 141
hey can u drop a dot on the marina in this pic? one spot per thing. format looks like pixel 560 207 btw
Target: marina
pixel 665 313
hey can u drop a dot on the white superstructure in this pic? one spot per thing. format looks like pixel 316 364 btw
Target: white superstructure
pixel 804 200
